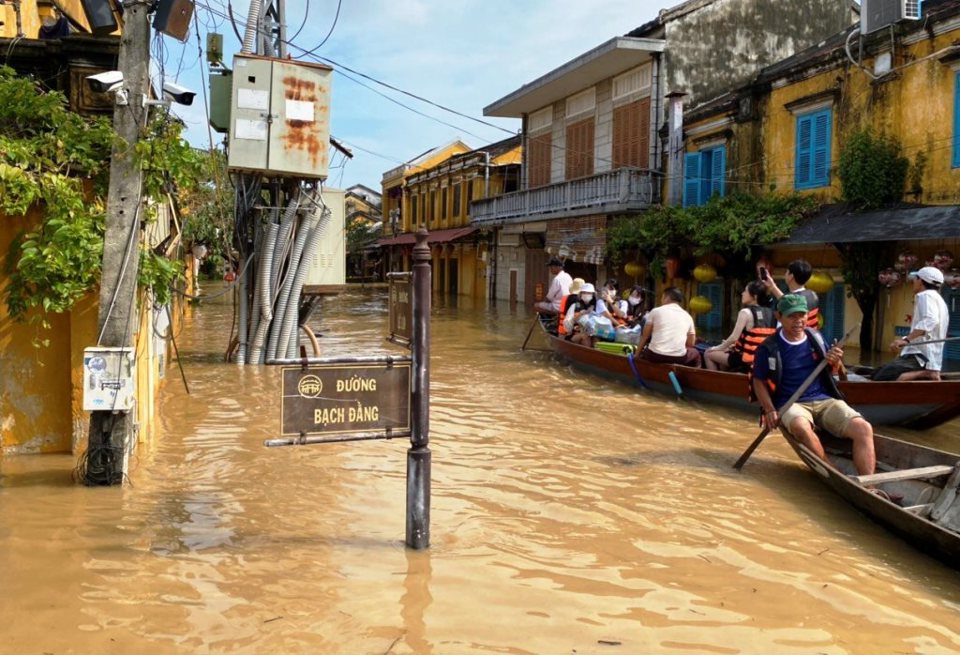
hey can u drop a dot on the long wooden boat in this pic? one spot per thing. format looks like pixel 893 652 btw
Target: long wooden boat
pixel 916 405
pixel 917 488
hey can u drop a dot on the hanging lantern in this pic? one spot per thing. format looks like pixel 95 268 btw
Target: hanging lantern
pixel 673 267
pixel 705 273
pixel 820 282
pixel 700 305
pixel 633 269
pixel 889 277
pixel 943 259
pixel 906 261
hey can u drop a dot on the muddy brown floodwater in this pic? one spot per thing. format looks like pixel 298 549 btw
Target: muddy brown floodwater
pixel 570 515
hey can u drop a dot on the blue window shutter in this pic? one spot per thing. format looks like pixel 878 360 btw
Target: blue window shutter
pixel 956 120
pixel 804 138
pixel 951 350
pixel 706 156
pixel 719 171
pixel 713 319
pixel 821 149
pixel 832 306
pixel 691 179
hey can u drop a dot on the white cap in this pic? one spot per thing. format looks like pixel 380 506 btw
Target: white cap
pixel 929 274
pixel 587 288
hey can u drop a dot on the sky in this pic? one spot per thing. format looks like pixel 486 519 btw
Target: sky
pixel 462 54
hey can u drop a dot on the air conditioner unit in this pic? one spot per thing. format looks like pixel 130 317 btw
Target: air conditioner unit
pixel 877 14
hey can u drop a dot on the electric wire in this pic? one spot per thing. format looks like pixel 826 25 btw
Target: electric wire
pixel 321 44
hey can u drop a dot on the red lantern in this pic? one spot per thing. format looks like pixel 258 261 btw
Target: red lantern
pixel 943 259
pixel 673 267
pixel 229 276
pixel 889 277
pixel 906 261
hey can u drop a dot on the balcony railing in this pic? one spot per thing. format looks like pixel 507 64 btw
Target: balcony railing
pixel 624 189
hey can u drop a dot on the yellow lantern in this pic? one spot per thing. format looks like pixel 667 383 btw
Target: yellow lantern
pixel 705 273
pixel 820 283
pixel 700 305
pixel 633 269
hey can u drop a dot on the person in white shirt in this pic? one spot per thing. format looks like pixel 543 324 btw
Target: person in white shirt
pixel 559 288
pixel 919 360
pixel 669 333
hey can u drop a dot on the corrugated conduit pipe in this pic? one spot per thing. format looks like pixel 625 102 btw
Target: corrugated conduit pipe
pixel 242 330
pixel 291 320
pixel 284 297
pixel 253 23
pixel 264 299
pixel 282 246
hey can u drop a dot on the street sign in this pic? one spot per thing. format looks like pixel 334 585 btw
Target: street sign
pixel 401 310
pixel 346 398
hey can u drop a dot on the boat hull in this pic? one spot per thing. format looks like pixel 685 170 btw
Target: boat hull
pixel 916 405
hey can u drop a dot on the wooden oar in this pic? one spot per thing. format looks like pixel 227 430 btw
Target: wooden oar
pixel 923 343
pixel 536 319
pixel 792 399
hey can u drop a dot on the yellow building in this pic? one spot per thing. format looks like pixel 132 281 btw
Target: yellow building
pixel 437 196
pixel 41 390
pixel 786 131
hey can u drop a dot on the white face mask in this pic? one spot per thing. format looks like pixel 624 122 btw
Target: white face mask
pixel 633 300
pixel 586 297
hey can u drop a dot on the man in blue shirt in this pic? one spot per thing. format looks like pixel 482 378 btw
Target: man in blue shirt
pixel 781 365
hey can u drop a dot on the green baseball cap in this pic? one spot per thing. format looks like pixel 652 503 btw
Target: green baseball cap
pixel 792 304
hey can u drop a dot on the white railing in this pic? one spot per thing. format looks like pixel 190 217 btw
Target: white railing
pixel 619 190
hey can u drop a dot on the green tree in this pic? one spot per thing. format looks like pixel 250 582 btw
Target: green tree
pixel 872 169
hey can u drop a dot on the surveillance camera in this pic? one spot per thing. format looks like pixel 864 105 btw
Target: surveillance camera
pixel 179 94
pixel 106 82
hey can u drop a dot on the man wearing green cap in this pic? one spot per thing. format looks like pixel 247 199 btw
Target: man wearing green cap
pixel 782 364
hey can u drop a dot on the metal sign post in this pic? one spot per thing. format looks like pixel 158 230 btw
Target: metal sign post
pixel 418 456
pixel 332 400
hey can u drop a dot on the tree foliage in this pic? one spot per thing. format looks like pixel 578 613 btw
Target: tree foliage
pixel 730 226
pixel 58 162
pixel 872 169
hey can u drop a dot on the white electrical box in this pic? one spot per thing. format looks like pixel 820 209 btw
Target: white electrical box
pixel 330 258
pixel 280 117
pixel 109 379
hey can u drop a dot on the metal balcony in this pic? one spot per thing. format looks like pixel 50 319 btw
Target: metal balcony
pixel 621 190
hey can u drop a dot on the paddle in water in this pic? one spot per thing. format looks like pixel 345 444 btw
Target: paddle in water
pixel 536 319
pixel 792 399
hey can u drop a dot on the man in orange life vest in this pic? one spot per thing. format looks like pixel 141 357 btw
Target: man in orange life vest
pixel 781 365
pixel 797 273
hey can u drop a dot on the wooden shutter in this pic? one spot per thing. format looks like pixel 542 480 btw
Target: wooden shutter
pixel 804 139
pixel 718 170
pixel 579 149
pixel 538 160
pixel 631 134
pixel 821 149
pixel 956 121
pixel 691 179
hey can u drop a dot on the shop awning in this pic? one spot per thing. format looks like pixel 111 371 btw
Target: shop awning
pixel 437 236
pixel 835 224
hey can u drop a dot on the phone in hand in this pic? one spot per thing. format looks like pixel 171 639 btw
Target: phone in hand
pixel 763 273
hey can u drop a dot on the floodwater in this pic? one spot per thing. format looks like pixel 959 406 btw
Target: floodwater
pixel 569 515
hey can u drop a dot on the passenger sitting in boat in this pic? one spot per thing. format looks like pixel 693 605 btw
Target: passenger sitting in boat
pixel 566 303
pixel 616 305
pixel 607 306
pixel 782 363
pixel 755 323
pixel 583 306
pixel 636 306
pixel 931 318
pixel 559 287
pixel 669 334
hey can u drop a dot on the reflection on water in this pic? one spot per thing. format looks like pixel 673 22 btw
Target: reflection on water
pixel 570 514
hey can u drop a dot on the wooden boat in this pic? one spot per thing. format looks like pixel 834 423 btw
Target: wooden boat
pixel 917 405
pixel 918 496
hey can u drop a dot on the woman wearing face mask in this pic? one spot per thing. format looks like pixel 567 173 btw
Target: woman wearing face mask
pixel 636 307
pixel 755 323
pixel 584 306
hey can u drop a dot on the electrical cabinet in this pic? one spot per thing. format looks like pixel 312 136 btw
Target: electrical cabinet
pixel 329 260
pixel 109 375
pixel 280 117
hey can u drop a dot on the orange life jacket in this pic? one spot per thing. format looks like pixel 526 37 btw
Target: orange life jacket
pixel 564 306
pixel 764 325
pixel 813 308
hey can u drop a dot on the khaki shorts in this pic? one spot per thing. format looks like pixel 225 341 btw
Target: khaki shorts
pixel 831 414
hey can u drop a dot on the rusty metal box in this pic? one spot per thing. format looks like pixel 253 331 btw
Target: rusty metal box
pixel 280 118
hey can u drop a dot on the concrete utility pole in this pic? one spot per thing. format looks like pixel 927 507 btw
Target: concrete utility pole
pixel 110 433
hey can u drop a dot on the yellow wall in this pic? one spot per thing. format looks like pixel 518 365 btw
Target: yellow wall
pixel 31 17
